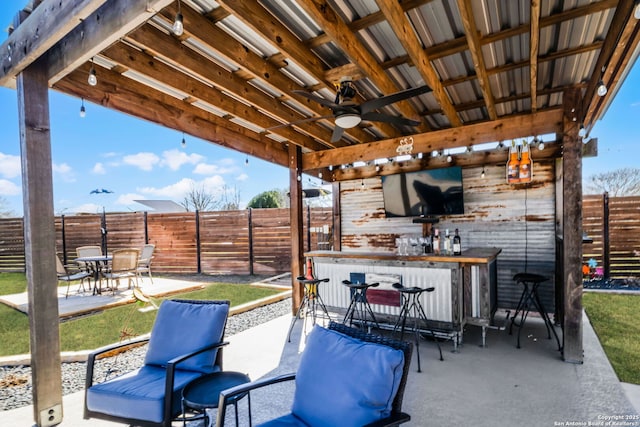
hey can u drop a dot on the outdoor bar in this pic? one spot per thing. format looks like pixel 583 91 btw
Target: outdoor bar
pixel 465 285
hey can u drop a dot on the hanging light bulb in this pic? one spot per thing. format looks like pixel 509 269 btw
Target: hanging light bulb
pixel 602 89
pixel 636 10
pixel 184 141
pixel 449 158
pixel 83 111
pixel 541 145
pixel 582 132
pixel 500 145
pixel 93 78
pixel 482 175
pixel 246 161
pixel 178 24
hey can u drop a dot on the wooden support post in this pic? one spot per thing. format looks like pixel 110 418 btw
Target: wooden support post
pixel 40 243
pixel 572 227
pixel 198 243
pixel 250 232
pixel 297 238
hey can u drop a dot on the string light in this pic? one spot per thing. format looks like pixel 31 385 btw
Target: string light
pixel 246 161
pixel 83 111
pixel 178 24
pixel 482 174
pixel 602 89
pixel 93 78
pixel 184 141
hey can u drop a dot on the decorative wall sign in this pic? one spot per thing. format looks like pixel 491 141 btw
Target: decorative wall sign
pixel 405 146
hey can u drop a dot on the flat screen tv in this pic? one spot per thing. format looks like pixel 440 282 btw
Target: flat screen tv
pixel 421 193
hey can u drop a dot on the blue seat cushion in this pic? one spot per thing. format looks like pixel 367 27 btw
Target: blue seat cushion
pixel 342 381
pixel 138 394
pixel 182 327
pixel 288 420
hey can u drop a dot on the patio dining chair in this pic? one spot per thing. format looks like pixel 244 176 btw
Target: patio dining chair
pixel 144 262
pixel 124 265
pixel 345 378
pixel 68 274
pixel 151 395
pixel 87 251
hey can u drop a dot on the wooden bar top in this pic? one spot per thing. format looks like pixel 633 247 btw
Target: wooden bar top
pixel 469 256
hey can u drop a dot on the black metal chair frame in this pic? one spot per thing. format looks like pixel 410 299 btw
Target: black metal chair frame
pixel 359 306
pixel 530 283
pixel 396 418
pixel 311 300
pixel 412 308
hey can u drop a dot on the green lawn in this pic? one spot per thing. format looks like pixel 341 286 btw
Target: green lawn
pixel 106 327
pixel 615 319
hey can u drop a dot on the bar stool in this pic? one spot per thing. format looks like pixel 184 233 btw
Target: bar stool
pixel 530 283
pixel 412 307
pixel 311 301
pixel 359 306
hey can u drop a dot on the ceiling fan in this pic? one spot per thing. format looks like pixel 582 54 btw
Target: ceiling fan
pixel 348 114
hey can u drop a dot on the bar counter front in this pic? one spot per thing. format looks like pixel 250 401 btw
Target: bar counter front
pixel 465 286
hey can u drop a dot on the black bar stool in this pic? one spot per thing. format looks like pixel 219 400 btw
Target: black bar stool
pixel 530 283
pixel 412 307
pixel 359 306
pixel 311 301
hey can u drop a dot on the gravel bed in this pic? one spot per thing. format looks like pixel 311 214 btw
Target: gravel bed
pixel 15 381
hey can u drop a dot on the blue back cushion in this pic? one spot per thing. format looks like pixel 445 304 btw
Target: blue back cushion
pixel 344 381
pixel 182 327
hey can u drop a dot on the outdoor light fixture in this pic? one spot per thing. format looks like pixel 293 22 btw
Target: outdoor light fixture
pixel 582 132
pixel 482 173
pixel 541 145
pixel 602 89
pixel 184 141
pixel 93 79
pixel 178 25
pixel 348 121
pixel 83 111
pixel 449 158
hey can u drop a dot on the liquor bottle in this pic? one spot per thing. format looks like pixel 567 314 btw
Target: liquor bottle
pixel 513 166
pixel 436 242
pixel 525 171
pixel 457 244
pixel 447 242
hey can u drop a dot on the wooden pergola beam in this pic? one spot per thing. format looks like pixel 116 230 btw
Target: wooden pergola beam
pixel 43 28
pixel 128 96
pixel 105 26
pixel 541 123
pixel 405 33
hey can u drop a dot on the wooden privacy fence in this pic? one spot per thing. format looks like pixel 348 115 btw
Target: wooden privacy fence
pixel 614 225
pixel 252 241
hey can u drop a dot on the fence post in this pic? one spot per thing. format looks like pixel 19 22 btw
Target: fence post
pixel 198 241
pixel 250 231
pixel 64 242
pixel 606 260
pixel 146 228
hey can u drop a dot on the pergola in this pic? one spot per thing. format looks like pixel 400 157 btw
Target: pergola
pixel 496 69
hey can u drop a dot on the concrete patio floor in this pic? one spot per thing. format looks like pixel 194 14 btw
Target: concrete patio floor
pixel 499 385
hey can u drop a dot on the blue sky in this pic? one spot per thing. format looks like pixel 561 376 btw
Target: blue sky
pixel 140 160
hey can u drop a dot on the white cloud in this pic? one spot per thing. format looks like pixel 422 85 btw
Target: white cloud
pixel 64 171
pixel 99 169
pixel 178 190
pixel 9 165
pixel 8 188
pixel 128 199
pixel 174 159
pixel 242 177
pixel 86 208
pixel 143 160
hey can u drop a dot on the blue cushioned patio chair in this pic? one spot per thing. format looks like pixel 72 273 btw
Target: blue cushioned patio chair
pixel 185 343
pixel 345 378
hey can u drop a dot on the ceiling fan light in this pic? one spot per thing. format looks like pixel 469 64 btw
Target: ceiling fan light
pixel 348 121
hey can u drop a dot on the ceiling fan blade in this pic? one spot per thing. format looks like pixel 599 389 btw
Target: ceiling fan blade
pixel 386 118
pixel 317 99
pixel 374 104
pixel 337 134
pixel 297 122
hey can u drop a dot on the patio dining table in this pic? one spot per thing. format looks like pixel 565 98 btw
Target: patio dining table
pixel 99 262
